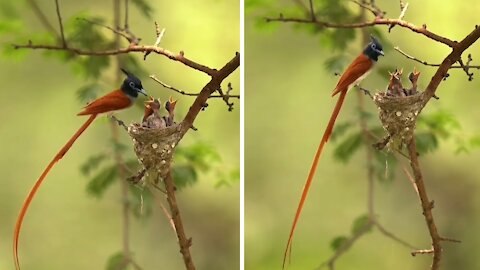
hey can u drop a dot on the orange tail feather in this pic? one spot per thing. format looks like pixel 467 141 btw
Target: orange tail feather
pixel 35 187
pixel 311 174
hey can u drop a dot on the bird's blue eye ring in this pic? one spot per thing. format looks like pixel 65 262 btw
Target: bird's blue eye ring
pixel 373 46
pixel 131 84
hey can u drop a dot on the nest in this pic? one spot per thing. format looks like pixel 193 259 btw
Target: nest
pixel 399 108
pixel 155 147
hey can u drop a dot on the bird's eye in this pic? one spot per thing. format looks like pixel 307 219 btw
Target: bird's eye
pixel 131 84
pixel 373 46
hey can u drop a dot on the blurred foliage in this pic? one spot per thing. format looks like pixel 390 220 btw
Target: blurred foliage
pixel 360 223
pixel 337 242
pixel 116 262
pixel 144 7
pixel 190 160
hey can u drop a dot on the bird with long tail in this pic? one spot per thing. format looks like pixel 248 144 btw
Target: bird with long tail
pixel 353 75
pixel 113 101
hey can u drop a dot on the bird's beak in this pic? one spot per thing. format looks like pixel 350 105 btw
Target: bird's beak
pixel 381 52
pixel 143 92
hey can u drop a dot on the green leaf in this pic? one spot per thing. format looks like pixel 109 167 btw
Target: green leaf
pixel 261 23
pixel 200 154
pixel 118 146
pixel 144 7
pixel 336 63
pixel 346 148
pixel 337 242
pixel 184 175
pixel 360 223
pixel 116 262
pixel 91 66
pixel 340 129
pixel 442 123
pixel 10 27
pixel 102 181
pixel 92 163
pixel 9 52
pixel 88 92
pixel 226 180
pixel 426 142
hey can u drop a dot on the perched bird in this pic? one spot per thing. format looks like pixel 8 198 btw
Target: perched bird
pixel 170 107
pixel 113 101
pixel 152 118
pixel 354 74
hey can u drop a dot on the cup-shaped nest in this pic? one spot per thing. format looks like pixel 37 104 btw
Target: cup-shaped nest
pixel 154 147
pixel 399 114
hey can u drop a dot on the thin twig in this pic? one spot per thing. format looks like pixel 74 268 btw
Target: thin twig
pixel 376 12
pixel 403 10
pixel 466 68
pixel 186 93
pixel 422 251
pixel 43 18
pixel 116 31
pixel 411 179
pixel 165 211
pixel 226 97
pixel 159 35
pixel 430 64
pixel 125 25
pixel 64 42
pixel 312 11
pixel 346 245
pixel 392 236
pixel 119 122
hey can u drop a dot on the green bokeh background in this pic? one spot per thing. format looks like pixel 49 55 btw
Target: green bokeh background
pixel 67 229
pixel 288 104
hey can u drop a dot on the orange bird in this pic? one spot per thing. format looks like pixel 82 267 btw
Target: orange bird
pixel 353 75
pixel 113 101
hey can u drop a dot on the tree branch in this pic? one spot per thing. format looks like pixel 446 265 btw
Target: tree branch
pixel 183 241
pixel 427 205
pixel 133 48
pixel 42 17
pixel 377 21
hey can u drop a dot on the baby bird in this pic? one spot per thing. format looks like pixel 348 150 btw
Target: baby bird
pixel 151 117
pixel 170 107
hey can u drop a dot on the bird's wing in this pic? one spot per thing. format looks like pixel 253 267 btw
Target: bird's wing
pixel 358 68
pixel 113 101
